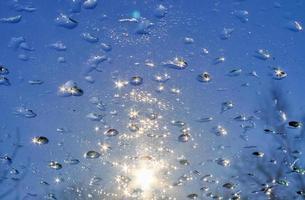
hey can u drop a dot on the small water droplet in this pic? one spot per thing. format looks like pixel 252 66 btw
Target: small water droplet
pixel 295 26
pixel 65 21
pixel 4 81
pixel 223 162
pixel 226 106
pixel 192 196
pixel 295 124
pixel 258 154
pixel 136 80
pixel 220 131
pixel 204 77
pixel 11 20
pixel 242 15
pixel 90 37
pixel 55 165
pixel 3 70
pixel 92 155
pixel 70 88
pixel 188 40
pixel 160 11
pixel 25 112
pixel 111 132
pixel 185 137
pixel 279 74
pixel 263 54
pixel 176 63
pixel 40 140
pixel 89 4
pixel 226 33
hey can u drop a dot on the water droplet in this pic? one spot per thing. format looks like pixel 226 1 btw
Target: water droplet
pixel 160 88
pixel 226 33
pixel 188 40
pixel 14 171
pixel 205 51
pixel 219 60
pixel 35 82
pixel 12 20
pixel 262 54
pixel 242 118
pixel 162 78
pixel 94 116
pixel 160 11
pixel 6 160
pixel 204 77
pixel 269 131
pixel 3 70
pixel 184 162
pixel 226 106
pixel 40 140
pixel 185 137
pixel 92 155
pixel 229 186
pixel 50 196
pixel 15 42
pixel 220 131
pixel 95 181
pixel 223 162
pixel 176 63
pixel 279 74
pixel 295 26
pixel 178 123
pixel 192 196
pixel 254 74
pixel 111 132
pixel 175 90
pixel 258 154
pixel 95 60
pixel 26 46
pixel 72 161
pixel 25 112
pixel 295 124
pixel 143 26
pixel 106 47
pixel 4 81
pixel 136 80
pixel 55 165
pixel 205 119
pixel 89 4
pixel 70 88
pixel 65 21
pixel 133 127
pixel 89 37
pixel 242 15
pixel 235 72
pixel 61 59
pixel 23 8
pixel 58 46
pixel 283 182
pixel 89 79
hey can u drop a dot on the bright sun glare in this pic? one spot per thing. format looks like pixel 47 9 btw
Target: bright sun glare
pixel 144 178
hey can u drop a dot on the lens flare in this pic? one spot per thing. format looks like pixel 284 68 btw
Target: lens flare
pixel 145 178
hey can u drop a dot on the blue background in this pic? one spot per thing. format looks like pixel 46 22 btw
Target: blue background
pixel 203 21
